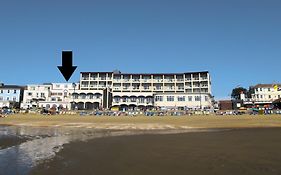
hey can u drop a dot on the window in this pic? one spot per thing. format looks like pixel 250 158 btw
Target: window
pixel 141 100
pixel 8 98
pixel 260 89
pixel 53 99
pixel 261 96
pixel 146 87
pixel 181 98
pixel 197 98
pixel 206 98
pixel 170 98
pixel 268 89
pixel 189 98
pixel 8 91
pixel 133 99
pixel 158 87
pixel 29 94
pixel 1 91
pixel 14 98
pixel 42 95
pixel 269 96
pixel 159 98
pixel 57 85
pixel 15 91
pixel 1 98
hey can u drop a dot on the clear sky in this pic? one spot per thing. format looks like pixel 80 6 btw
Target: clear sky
pixel 238 41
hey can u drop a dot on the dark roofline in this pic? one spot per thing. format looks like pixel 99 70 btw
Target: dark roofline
pixel 11 87
pixel 151 73
pixel 266 85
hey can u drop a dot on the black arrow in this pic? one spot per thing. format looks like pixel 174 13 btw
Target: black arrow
pixel 67 69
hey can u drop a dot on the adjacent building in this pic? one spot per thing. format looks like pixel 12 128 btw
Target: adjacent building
pixel 10 95
pixel 144 90
pixel 48 95
pixel 264 95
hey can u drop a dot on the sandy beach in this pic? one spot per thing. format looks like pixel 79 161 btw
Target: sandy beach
pixel 143 122
pixel 73 144
pixel 242 151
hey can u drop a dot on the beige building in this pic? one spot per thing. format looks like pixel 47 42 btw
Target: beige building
pixel 48 95
pixel 266 93
pixel 145 90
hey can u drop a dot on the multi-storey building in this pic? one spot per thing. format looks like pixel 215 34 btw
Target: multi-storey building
pixel 264 94
pixel 10 95
pixel 145 90
pixel 48 95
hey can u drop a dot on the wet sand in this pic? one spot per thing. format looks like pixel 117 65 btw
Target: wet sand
pixel 8 141
pixel 237 151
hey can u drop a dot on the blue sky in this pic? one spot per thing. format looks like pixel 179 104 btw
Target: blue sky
pixel 238 41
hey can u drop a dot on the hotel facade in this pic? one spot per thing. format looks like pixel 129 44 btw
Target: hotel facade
pixel 48 95
pixel 264 94
pixel 116 90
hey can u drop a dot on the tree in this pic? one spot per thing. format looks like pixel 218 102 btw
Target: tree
pixel 237 91
pixel 250 92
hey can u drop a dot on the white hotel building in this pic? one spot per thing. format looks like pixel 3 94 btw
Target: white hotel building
pixel 144 90
pixel 48 95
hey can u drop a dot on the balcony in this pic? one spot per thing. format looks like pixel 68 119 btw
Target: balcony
pixel 169 80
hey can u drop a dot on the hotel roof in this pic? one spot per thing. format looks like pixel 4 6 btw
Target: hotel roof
pixel 150 73
pixel 266 85
pixel 11 87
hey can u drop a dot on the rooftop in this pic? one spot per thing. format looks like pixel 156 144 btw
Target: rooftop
pixel 120 73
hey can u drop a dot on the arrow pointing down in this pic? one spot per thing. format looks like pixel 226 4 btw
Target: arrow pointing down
pixel 67 69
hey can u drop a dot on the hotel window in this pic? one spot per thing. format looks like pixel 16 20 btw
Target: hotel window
pixel 83 96
pixel 170 98
pixel 133 99
pixel 116 99
pixel 189 98
pixel 181 98
pixel 260 89
pixel 268 89
pixel 269 96
pixel 141 100
pixel 159 98
pixel 206 98
pixel 8 98
pixel 8 91
pixel 278 96
pixel 15 91
pixel 1 98
pixel 261 96
pixel 29 94
pixel 1 91
pixel 158 87
pixel 197 98
pixel 14 98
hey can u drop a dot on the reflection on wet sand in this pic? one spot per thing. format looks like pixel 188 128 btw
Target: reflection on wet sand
pixel 44 142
